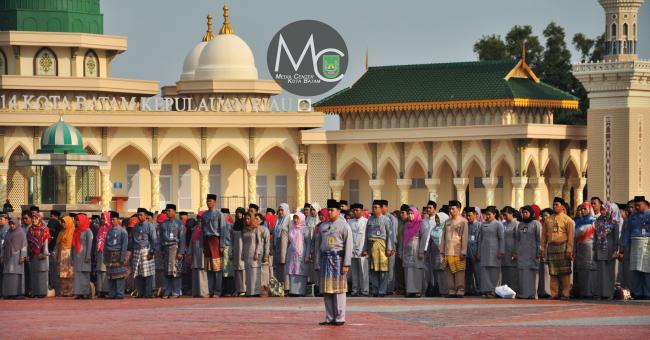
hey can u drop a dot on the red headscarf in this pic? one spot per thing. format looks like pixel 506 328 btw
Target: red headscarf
pixel 270 220
pixel 161 218
pixel 103 231
pixel 37 234
pixel 537 211
pixel 196 234
pixel 326 218
pixel 83 224
pixel 132 222
pixel 229 219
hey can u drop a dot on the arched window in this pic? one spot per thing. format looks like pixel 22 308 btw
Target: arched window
pixel 46 63
pixel 614 31
pixel 91 64
pixel 3 63
pixel 625 29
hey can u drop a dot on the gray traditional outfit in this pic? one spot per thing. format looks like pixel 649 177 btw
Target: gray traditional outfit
pixel 509 271
pixel 359 276
pixel 411 250
pixel 172 244
pixel 39 267
pixel 527 240
pixel 265 268
pixel 312 222
pixel 605 243
pixel 298 256
pixel 12 255
pixel 213 223
pixel 239 266
pixel 379 240
pixel 434 261
pixel 392 266
pixel 199 275
pixel 472 278
pixel 490 245
pixel 335 253
pixel 143 245
pixel 115 256
pixel 252 248
pixel 3 232
pixel 82 260
pixel 280 243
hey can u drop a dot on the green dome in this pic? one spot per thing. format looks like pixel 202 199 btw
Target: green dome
pixel 62 138
pixel 82 16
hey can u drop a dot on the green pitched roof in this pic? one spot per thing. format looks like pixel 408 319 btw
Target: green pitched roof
pixel 464 81
pixel 82 16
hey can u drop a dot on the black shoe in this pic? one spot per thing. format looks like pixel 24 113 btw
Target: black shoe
pixel 450 296
pixel 338 323
pixel 381 295
pixel 325 323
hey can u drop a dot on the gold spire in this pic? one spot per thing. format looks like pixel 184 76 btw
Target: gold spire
pixel 226 28
pixel 522 70
pixel 209 35
pixel 366 59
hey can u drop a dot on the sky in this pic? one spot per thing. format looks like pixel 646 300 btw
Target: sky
pixel 162 32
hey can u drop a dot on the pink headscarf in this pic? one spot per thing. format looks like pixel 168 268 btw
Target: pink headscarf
pixel 103 231
pixel 412 227
pixel 296 239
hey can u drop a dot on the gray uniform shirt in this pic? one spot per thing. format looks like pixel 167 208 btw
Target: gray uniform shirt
pixel 490 243
pixel 82 259
pixel 117 239
pixel 358 228
pixel 335 236
pixel 380 227
pixel 509 230
pixel 172 232
pixel 527 239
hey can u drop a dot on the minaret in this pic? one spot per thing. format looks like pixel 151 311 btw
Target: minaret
pixel 618 120
pixel 621 29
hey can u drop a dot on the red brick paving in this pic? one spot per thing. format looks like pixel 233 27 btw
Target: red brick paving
pixel 297 318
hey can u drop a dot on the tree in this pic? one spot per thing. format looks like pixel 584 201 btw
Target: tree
pixel 490 47
pixel 584 45
pixel 515 39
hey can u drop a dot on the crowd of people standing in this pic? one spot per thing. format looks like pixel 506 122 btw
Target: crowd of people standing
pixel 447 251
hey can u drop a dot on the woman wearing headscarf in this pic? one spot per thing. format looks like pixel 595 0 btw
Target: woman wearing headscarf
pixel 543 280
pixel 584 251
pixel 527 239
pixel 82 243
pixel 252 249
pixel 490 251
pixel 605 248
pixel 239 265
pixel 199 275
pixel 100 267
pixel 509 272
pixel 13 256
pixel 433 258
pixel 411 251
pixel 64 256
pixel 280 243
pixel 38 237
pixel 298 255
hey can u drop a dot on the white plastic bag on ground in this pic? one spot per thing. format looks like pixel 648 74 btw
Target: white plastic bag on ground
pixel 505 292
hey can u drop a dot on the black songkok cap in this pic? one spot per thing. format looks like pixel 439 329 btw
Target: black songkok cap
pixel 307 205
pixel 211 197
pixel 559 200
pixel 225 211
pixel 343 202
pixel 638 199
pixel 170 207
pixel 254 206
pixel 455 203
pixel 270 210
pixel 405 207
pixel 469 210
pixel 143 210
pixel 384 203
pixel 114 214
pixel 435 206
pixel 333 204
pixel 356 206
pixel 34 208
pixel 376 202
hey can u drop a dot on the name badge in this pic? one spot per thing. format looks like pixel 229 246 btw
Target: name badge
pixel 555 229
pixel 171 236
pixel 114 241
pixel 471 238
pixel 525 230
pixel 643 231
pixel 331 241
pixel 378 232
pixel 140 237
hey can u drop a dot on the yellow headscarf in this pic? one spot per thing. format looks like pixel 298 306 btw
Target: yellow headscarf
pixel 64 241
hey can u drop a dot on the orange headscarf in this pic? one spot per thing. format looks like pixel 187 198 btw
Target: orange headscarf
pixel 64 241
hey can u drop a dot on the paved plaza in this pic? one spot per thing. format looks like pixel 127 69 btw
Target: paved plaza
pixel 289 318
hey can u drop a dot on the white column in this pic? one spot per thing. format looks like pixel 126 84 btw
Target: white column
pixel 404 186
pixel 537 183
pixel 204 184
pixel 461 185
pixel 155 186
pixel 35 173
pixel 519 184
pixel 556 183
pixel 432 186
pixel 301 170
pixel 579 186
pixel 252 182
pixel 107 192
pixel 376 185
pixel 336 186
pixel 4 170
pixel 490 184
pixel 71 180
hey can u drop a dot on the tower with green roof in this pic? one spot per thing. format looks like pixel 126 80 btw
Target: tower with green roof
pixel 79 16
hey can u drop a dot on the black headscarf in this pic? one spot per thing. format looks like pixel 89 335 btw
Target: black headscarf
pixel 532 214
pixel 240 223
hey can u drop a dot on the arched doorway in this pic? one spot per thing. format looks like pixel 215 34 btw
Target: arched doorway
pixel 276 179
pixel 418 195
pixel 529 191
pixel 17 181
pixel 180 180
pixel 476 190
pixel 446 190
pixel 131 178
pixel 356 188
pixel 503 194
pixel 390 191
pixel 227 178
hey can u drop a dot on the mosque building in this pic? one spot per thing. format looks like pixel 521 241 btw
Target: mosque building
pixel 480 132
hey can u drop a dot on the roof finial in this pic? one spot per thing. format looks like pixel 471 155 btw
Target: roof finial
pixel 226 28
pixel 61 115
pixel 366 59
pixel 208 34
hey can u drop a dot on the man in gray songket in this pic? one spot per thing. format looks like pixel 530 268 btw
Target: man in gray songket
pixel 333 260
pixel 115 257
pixel 359 270
pixel 212 225
pixel 143 245
pixel 281 243
pixel 172 246
pixel 636 245
pixel 379 247
pixel 392 268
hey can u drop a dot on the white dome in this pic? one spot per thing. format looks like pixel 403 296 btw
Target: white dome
pixel 226 57
pixel 192 61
